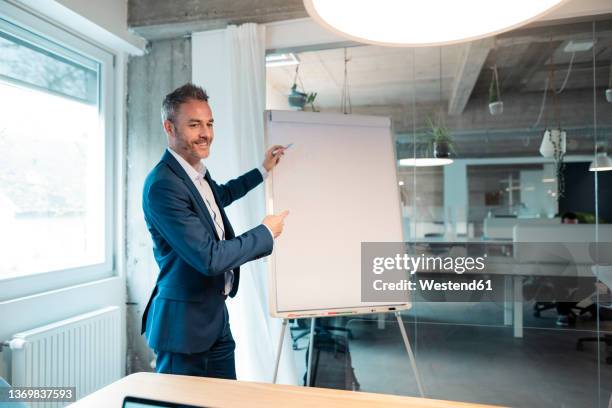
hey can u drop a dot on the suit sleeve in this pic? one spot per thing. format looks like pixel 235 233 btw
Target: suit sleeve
pixel 238 187
pixel 169 209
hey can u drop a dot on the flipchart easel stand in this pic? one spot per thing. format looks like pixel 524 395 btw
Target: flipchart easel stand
pixel 311 341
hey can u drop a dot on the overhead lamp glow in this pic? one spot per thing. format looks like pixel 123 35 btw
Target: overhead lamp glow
pixel 280 60
pixel 423 23
pixel 578 45
pixel 424 162
pixel 601 163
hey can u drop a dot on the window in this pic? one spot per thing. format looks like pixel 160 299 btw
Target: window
pixel 56 155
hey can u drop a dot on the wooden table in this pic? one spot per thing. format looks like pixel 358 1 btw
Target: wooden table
pixel 212 392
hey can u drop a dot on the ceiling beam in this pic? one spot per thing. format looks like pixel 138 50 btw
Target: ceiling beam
pixel 470 65
pixel 536 63
pixel 529 63
pixel 557 32
pixel 162 19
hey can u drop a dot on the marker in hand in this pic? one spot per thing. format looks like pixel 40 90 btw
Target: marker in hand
pixel 284 148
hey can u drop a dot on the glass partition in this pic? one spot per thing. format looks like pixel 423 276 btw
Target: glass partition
pixel 496 144
pixel 597 345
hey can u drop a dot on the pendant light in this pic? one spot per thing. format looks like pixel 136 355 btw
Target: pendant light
pixel 601 162
pixel 437 152
pixel 424 162
pixel 416 23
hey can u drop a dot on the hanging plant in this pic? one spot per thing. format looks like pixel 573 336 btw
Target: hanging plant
pixel 554 141
pixel 296 99
pixel 310 100
pixel 440 142
pixel 496 105
pixel 554 146
pixel 559 154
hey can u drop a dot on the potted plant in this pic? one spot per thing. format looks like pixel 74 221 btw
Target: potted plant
pixel 553 143
pixel 496 105
pixel 440 140
pixel 297 99
pixel 310 100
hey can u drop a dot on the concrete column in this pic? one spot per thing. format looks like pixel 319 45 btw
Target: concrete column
pixel 166 66
pixel 455 198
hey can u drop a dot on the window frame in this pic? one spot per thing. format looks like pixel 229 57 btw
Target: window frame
pixel 22 286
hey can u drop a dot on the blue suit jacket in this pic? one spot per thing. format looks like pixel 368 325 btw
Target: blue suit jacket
pixel 186 311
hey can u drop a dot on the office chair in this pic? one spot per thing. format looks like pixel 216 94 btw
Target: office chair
pixel 543 288
pixel 539 307
pixel 604 309
pixel 539 287
pixel 604 273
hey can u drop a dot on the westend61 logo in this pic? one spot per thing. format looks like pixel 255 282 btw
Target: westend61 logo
pixel 392 270
pixel 424 263
pixel 474 271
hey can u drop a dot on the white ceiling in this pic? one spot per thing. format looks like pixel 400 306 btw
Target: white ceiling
pixel 404 84
pixel 387 76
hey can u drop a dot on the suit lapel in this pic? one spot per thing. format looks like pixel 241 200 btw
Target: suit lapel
pixel 180 172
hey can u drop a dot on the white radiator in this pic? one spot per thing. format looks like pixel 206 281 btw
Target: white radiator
pixel 83 352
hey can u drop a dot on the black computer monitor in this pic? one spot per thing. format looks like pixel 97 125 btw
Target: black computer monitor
pixel 135 402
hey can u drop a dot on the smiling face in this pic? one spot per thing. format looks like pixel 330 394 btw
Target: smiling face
pixel 190 133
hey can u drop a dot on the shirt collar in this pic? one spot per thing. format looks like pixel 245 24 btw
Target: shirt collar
pixel 189 169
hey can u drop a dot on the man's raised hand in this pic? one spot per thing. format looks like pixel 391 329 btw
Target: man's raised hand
pixel 273 156
pixel 276 222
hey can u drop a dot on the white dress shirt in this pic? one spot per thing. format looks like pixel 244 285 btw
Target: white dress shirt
pixel 196 175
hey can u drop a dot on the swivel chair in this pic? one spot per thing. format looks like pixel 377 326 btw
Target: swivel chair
pixel 603 271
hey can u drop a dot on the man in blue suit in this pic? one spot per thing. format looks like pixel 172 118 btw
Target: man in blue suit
pixel 199 256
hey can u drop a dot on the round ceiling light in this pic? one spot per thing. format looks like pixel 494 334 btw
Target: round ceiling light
pixel 412 23
pixel 425 162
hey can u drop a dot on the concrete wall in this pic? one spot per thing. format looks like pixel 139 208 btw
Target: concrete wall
pixel 155 19
pixel 150 78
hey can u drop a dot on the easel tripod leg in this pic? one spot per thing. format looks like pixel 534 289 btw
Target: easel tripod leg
pixel 410 355
pixel 310 350
pixel 279 350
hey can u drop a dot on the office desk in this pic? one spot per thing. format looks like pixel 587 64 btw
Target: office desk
pixel 502 261
pixel 212 392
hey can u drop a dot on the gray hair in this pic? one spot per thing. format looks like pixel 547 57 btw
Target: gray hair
pixel 180 95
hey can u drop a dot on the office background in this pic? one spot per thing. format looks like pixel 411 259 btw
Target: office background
pixel 466 351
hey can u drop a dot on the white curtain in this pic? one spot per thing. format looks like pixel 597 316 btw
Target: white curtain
pixel 256 333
